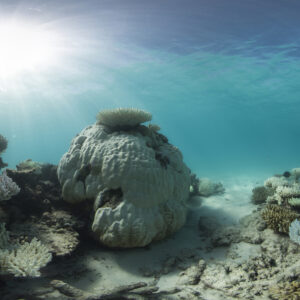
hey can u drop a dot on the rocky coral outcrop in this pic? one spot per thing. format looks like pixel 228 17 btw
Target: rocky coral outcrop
pixel 136 181
pixel 38 210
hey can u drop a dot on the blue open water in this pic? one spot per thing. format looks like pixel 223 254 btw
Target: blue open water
pixel 221 78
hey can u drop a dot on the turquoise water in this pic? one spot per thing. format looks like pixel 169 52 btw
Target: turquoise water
pixel 221 79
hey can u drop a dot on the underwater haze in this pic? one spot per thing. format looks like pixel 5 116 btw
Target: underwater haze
pixel 221 78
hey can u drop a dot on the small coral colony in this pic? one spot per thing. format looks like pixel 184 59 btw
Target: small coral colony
pixel 132 186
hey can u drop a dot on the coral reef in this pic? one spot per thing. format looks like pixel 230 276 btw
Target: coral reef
pixel 285 194
pixel 284 190
pixel 257 257
pixel 260 194
pixel 30 166
pixel 123 118
pixel 257 262
pixel 279 218
pixel 38 210
pixel 275 181
pixel 8 187
pixel 138 181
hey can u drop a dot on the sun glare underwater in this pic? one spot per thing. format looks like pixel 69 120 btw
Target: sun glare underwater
pixel 221 80
pixel 24 48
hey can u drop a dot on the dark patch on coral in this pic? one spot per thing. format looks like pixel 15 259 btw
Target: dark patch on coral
pixel 111 198
pixel 163 160
pixel 156 137
pixel 286 174
pixel 40 191
pixel 162 137
pixel 126 128
pixel 84 171
pixel 195 182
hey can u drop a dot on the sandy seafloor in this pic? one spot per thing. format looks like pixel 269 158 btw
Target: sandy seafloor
pixel 224 251
pixel 111 268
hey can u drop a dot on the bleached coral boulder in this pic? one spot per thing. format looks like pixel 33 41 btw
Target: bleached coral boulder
pixel 137 180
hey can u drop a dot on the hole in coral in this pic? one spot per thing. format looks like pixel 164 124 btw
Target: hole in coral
pixel 84 172
pixel 111 198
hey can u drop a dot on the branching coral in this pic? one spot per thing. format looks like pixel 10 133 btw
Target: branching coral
pixel 278 218
pixel 285 195
pixel 22 260
pixel 275 181
pixel 285 291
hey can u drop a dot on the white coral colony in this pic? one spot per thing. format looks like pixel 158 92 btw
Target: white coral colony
pixel 137 180
pixel 8 188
